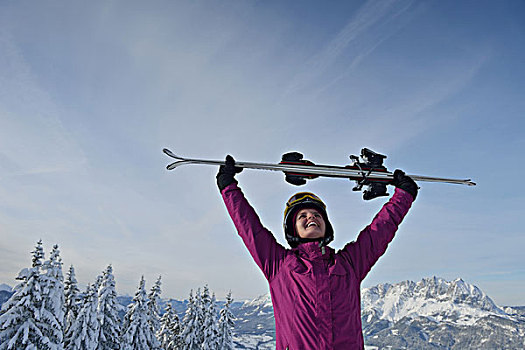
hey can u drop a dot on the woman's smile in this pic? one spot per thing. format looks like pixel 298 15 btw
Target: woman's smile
pixel 309 223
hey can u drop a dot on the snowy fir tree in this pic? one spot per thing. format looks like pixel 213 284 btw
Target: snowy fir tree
pixel 153 305
pixel 176 342
pixel 137 333
pixel 72 299
pixel 169 332
pixel 164 334
pixel 226 325
pixel 22 316
pixel 53 299
pixel 191 327
pixel 83 333
pixel 209 323
pixel 107 310
pixel 38 255
pixel 199 313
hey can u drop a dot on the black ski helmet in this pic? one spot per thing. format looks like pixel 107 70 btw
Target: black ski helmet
pixel 300 201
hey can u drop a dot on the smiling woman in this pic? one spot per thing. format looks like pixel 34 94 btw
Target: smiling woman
pixel 300 215
pixel 315 290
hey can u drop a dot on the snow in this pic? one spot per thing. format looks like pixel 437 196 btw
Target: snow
pixel 433 298
pixel 261 301
pixel 252 341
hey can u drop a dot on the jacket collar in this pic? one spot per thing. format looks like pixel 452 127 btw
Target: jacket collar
pixel 313 250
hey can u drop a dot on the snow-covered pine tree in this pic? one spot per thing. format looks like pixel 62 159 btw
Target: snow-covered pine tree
pixel 190 325
pixel 109 332
pixel 209 326
pixel 176 342
pixel 83 333
pixel 226 325
pixel 72 302
pixel 199 316
pixel 164 334
pixel 20 318
pixel 136 333
pixel 38 255
pixel 169 332
pixel 153 305
pixel 53 299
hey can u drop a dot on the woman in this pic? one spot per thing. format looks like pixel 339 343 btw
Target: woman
pixel 315 291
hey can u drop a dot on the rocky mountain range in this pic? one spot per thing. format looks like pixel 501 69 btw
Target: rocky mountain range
pixel 430 314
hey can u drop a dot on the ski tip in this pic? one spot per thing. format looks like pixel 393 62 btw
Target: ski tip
pixel 171 154
pixel 172 165
pixel 177 164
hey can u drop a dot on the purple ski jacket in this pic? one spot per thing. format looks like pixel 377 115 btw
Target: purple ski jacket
pixel 316 297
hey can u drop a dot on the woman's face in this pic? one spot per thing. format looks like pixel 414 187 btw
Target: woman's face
pixel 309 223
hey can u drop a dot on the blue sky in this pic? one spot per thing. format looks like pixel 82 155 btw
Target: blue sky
pixel 91 92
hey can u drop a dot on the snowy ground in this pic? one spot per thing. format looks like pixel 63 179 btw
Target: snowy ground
pixel 259 342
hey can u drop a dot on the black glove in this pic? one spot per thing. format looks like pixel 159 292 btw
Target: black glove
pixel 404 182
pixel 226 173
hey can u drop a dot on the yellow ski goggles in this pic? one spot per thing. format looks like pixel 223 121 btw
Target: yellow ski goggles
pixel 303 197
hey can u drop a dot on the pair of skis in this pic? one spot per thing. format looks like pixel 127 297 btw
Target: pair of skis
pixel 366 170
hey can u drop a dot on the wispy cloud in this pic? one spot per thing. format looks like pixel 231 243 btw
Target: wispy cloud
pixel 33 138
pixel 372 15
pixel 416 110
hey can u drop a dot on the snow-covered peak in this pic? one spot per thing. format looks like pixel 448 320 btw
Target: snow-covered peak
pixel 261 301
pixel 435 298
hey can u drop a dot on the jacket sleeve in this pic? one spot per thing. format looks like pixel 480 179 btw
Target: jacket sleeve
pixel 374 239
pixel 265 250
